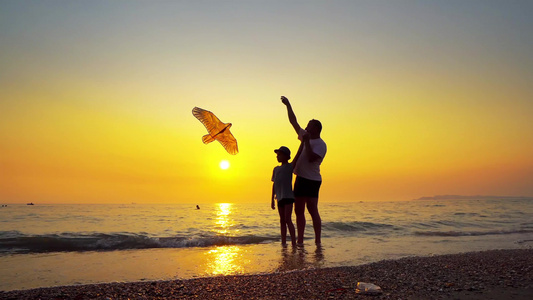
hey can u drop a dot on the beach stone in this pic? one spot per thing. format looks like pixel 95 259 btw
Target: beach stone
pixel 365 288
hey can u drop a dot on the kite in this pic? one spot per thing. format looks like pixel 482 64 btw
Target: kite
pixel 217 130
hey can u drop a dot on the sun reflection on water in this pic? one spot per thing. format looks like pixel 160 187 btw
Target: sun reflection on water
pixel 223 220
pixel 227 259
pixel 224 260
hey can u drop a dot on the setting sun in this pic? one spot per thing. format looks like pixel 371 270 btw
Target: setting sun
pixel 224 165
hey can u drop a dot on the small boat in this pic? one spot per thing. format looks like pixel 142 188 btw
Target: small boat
pixel 31 203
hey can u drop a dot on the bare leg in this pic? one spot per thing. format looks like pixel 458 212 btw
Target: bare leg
pixel 288 221
pixel 281 211
pixel 299 209
pixel 312 208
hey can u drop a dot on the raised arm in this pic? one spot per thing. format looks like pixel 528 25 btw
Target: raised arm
pixel 297 156
pixel 290 112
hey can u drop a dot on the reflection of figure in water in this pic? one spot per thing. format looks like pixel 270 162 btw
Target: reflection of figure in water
pixel 300 258
pixel 307 170
pixel 292 259
pixel 319 255
pixel 197 207
pixel 282 191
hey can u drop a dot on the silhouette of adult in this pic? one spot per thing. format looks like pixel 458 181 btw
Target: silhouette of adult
pixel 307 170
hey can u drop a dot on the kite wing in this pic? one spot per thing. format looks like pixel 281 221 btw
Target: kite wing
pixel 210 121
pixel 228 141
pixel 217 130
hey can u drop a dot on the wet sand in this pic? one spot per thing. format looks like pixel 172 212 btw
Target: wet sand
pixel 495 274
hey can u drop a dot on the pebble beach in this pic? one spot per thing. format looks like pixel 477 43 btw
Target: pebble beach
pixel 494 274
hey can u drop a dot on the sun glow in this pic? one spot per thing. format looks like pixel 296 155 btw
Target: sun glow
pixel 223 221
pixel 225 260
pixel 224 165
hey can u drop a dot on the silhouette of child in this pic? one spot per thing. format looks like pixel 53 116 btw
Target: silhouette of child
pixel 282 191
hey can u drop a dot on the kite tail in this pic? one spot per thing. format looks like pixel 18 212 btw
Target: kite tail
pixel 207 139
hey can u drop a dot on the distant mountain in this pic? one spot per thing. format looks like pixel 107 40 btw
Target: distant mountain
pixel 477 197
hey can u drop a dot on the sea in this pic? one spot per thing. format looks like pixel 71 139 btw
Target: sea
pixel 46 245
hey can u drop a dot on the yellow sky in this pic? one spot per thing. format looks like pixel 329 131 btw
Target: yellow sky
pixel 416 99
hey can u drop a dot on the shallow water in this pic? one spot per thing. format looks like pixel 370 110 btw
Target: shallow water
pixel 47 245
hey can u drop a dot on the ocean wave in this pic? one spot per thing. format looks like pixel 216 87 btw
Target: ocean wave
pixel 470 233
pixel 468 214
pixel 355 226
pixel 524 242
pixel 15 242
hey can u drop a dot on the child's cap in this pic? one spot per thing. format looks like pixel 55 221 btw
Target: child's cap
pixel 284 150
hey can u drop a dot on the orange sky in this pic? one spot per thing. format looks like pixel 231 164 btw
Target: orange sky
pixel 416 99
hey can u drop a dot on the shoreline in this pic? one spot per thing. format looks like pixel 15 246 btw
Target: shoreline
pixel 492 274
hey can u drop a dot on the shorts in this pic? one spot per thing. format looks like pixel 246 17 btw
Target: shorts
pixel 285 201
pixel 306 188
